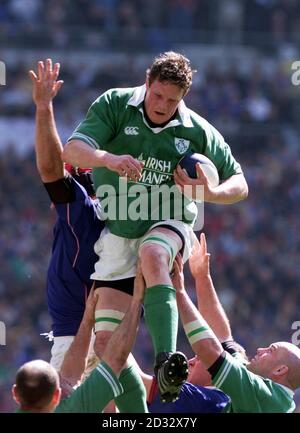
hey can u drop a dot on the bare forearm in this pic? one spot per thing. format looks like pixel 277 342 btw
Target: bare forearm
pixel 211 308
pixel 74 362
pixel 48 145
pixel 207 349
pixel 80 154
pixel 122 340
pixel 230 191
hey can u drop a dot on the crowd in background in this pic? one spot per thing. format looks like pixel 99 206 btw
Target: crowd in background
pixel 232 20
pixel 254 244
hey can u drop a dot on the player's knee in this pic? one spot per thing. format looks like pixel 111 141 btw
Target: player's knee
pixel 154 259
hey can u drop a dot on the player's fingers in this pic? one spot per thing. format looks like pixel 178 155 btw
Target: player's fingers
pixel 132 171
pixel 182 174
pixel 177 179
pixel 32 76
pixel 95 297
pixel 175 268
pixel 200 172
pixel 136 165
pixel 196 248
pixel 48 69
pixel 179 261
pixel 58 85
pixel 55 71
pixel 203 243
pixel 41 70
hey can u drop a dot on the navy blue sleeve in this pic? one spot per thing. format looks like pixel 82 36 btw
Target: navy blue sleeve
pixel 65 190
pixel 193 399
pixel 70 199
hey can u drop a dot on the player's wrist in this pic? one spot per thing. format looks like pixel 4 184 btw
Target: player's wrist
pixel 106 159
pixel 44 107
pixel 200 276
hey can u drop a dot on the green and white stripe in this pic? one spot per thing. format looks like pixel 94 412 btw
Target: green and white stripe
pixel 225 369
pixel 196 331
pixel 110 378
pixel 107 320
pixel 85 138
pixel 165 242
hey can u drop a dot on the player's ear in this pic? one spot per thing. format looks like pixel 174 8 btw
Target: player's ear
pixel 56 396
pixel 280 370
pixel 15 393
pixel 185 93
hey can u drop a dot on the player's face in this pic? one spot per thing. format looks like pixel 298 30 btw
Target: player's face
pixel 198 375
pixel 266 359
pixel 161 100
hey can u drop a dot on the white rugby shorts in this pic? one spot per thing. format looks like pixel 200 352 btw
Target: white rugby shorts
pixel 118 256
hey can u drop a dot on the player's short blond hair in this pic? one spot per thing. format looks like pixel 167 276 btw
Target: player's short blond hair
pixel 172 67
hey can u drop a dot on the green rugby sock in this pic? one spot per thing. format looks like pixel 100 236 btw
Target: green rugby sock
pixel 133 400
pixel 161 317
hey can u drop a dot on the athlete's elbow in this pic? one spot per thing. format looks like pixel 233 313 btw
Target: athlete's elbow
pixel 67 152
pixel 244 190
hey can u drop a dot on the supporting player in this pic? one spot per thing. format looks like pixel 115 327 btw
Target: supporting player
pixel 77 227
pixel 265 384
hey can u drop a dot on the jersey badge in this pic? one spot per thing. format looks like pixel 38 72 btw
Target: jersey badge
pixel 181 145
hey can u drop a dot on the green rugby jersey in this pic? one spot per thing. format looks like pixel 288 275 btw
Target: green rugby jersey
pixel 115 123
pixel 250 392
pixel 93 395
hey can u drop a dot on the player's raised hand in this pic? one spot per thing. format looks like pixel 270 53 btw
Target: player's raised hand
pixel 199 259
pixel 45 84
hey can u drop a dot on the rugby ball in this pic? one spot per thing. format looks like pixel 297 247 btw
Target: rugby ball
pixel 189 161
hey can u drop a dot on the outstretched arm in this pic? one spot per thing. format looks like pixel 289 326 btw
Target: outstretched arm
pixel 122 340
pixel 74 362
pixel 48 146
pixel 209 304
pixel 204 342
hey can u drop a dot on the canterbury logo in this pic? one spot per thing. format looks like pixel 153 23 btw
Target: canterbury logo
pixel 131 130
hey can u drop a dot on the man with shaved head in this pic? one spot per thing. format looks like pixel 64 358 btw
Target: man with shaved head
pixel 264 384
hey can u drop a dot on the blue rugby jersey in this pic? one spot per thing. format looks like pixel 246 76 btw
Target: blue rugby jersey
pixel 72 262
pixel 192 399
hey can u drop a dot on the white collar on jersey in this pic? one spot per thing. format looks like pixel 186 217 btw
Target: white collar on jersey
pixel 185 118
pixel 288 390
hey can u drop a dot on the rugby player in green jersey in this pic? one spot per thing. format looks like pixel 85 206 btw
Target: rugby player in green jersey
pixel 267 382
pixel 141 133
pixel 39 388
